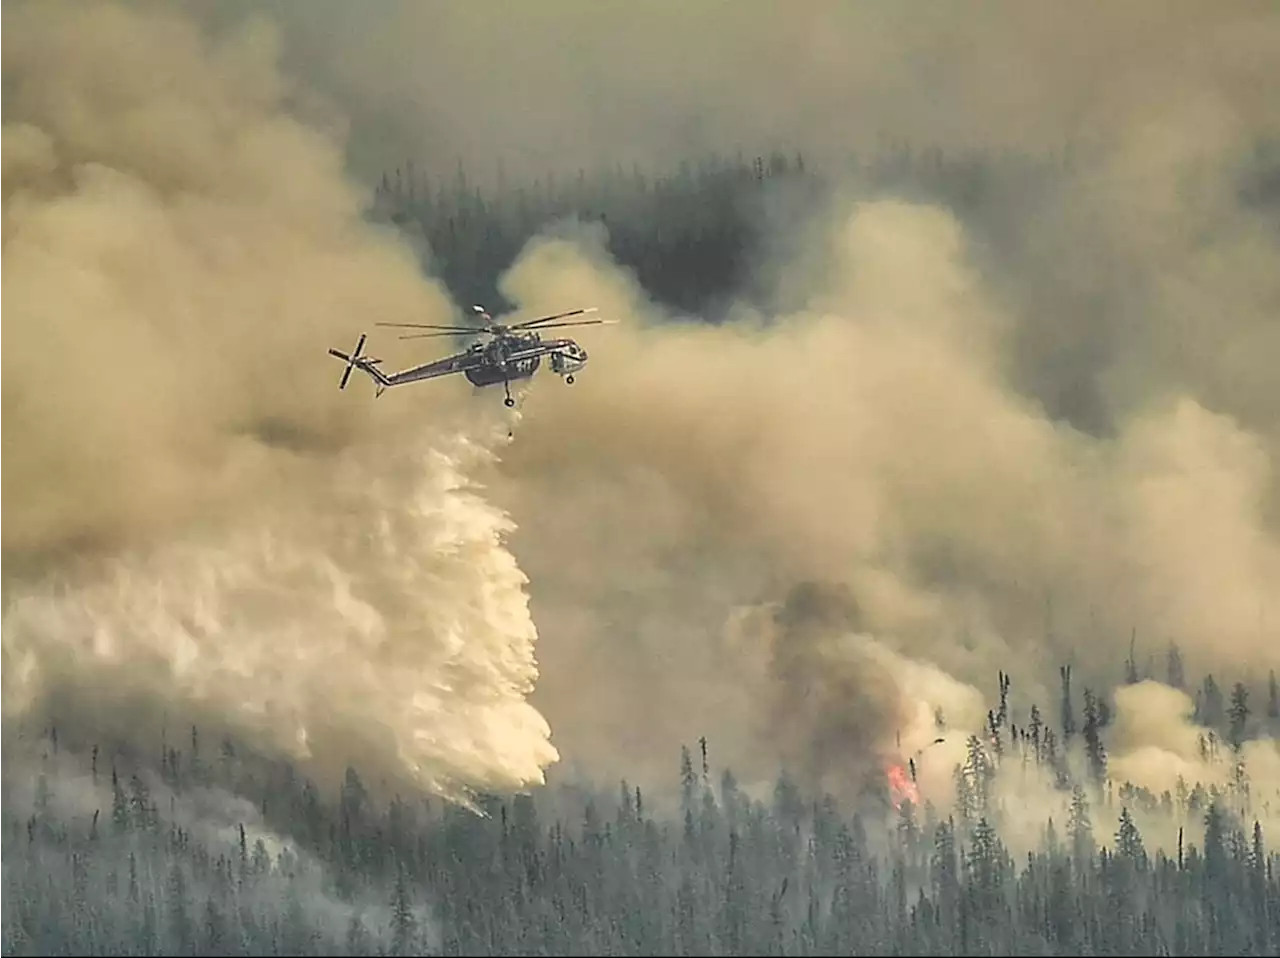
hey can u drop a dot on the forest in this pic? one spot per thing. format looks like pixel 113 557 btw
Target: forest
pixel 192 846
pixel 215 852
pixel 692 236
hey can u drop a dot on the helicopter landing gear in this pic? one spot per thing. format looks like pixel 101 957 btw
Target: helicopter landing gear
pixel 569 379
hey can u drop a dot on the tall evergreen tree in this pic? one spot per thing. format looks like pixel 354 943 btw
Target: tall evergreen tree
pixel 1175 673
pixel 1068 714
pixel 1238 714
pixel 403 924
pixel 1094 749
pixel 1080 826
pixel 1129 840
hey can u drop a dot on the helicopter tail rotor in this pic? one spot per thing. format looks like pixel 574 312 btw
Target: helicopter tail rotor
pixel 351 361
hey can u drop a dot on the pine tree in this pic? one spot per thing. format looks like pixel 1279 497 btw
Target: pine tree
pixel 1129 840
pixel 1176 674
pixel 1258 852
pixel 119 803
pixel 180 930
pixel 943 867
pixel 1061 776
pixel 985 866
pixel 688 779
pixel 141 811
pixel 1097 755
pixel 1215 842
pixel 729 797
pixel 974 783
pixel 1068 715
pixel 1131 664
pixel 403 925
pixel 1210 713
pixel 966 800
pixel 1037 724
pixel 1002 715
pixel 1238 714
pixel 1080 826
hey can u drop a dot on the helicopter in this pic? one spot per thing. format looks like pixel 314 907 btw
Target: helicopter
pixel 514 353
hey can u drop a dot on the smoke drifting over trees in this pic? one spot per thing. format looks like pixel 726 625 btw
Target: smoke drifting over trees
pixel 969 377
pixel 194 515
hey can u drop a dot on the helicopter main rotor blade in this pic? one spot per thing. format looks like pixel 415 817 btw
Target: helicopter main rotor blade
pixel 451 329
pixel 427 335
pixel 581 322
pixel 547 319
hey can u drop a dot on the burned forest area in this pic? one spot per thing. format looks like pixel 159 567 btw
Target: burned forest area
pixel 195 845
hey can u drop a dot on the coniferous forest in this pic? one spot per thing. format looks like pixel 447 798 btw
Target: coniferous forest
pixel 198 846
pixel 213 852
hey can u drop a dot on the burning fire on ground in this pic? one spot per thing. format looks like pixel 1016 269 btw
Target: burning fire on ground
pixel 901 787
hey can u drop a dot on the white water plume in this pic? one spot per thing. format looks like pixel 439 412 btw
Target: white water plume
pixel 199 527
pixel 382 623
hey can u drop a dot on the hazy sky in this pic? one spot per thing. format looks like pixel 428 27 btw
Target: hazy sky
pixel 567 82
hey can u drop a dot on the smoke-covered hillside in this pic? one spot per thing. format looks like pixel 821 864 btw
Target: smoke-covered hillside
pixel 928 478
pixel 214 853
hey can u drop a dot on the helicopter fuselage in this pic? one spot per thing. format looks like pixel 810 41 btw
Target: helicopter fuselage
pixel 504 358
pixel 514 353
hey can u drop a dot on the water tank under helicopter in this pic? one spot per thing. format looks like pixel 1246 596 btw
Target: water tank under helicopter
pixel 492 375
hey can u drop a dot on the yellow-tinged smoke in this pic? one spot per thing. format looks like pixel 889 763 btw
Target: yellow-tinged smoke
pixel 873 440
pixel 1002 464
pixel 197 523
pixel 992 465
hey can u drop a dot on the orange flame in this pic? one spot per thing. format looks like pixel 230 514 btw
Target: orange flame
pixel 901 787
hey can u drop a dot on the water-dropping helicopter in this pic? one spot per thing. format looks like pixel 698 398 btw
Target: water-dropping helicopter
pixel 512 353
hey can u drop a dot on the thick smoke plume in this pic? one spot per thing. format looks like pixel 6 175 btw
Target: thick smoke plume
pixel 197 523
pixel 953 457
pixel 874 440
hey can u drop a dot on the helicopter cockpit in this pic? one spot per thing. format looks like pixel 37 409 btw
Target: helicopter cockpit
pixel 568 359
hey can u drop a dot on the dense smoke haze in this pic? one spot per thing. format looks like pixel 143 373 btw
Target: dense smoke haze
pixel 196 522
pixel 874 441
pixel 567 83
pixel 802 533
